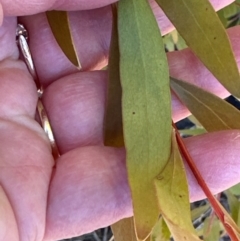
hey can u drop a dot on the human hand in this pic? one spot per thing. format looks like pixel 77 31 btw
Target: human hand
pixel 88 189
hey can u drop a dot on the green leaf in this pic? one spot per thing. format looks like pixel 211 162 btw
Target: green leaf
pixel 173 197
pixel 160 231
pixel 234 205
pixel 146 107
pixel 222 17
pixel 194 120
pixel 192 132
pixel 199 25
pixel 59 23
pixel 211 229
pixel 123 230
pixel 230 10
pixel 168 42
pixel 181 44
pixel 238 221
pixel 212 112
pixel 235 189
pixel 113 128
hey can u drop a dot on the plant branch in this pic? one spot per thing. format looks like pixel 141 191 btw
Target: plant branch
pixel 213 201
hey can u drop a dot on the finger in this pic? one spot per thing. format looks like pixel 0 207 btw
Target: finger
pixel 75 106
pixel 216 156
pixel 26 160
pixel 17 8
pixel 76 103
pixel 7 38
pixel 91 32
pixel 108 199
pixel 95 192
pixel 7 219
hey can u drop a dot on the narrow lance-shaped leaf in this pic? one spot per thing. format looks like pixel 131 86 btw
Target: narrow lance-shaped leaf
pixel 199 25
pixel 238 222
pixel 212 112
pixel 113 133
pixel 146 107
pixel 173 197
pixel 234 205
pixel 113 129
pixel 59 23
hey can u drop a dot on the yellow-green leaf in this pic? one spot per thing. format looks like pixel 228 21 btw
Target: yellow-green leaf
pixel 238 221
pixel 230 10
pixel 168 43
pixel 160 231
pixel 113 129
pixel 235 189
pixel 212 112
pixel 199 25
pixel 173 197
pixel 123 230
pixel 59 23
pixel 234 205
pixel 192 132
pixel 222 17
pixel 146 107
pixel 211 231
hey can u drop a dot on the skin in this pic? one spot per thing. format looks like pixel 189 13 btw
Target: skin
pixel 88 189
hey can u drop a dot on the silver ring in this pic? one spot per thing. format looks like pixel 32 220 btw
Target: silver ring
pixel 22 36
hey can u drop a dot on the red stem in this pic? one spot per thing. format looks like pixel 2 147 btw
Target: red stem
pixel 214 202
